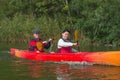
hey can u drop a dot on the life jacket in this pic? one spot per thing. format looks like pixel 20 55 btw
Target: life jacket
pixel 66 49
pixel 36 45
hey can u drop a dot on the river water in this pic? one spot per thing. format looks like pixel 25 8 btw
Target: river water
pixel 12 68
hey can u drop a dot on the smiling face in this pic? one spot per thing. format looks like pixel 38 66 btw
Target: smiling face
pixel 65 35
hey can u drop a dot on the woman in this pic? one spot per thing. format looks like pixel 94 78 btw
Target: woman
pixel 37 44
pixel 64 43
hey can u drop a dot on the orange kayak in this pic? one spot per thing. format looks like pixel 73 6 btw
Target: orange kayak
pixel 104 58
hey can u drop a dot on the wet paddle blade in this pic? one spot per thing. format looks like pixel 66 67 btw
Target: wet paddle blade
pixel 76 35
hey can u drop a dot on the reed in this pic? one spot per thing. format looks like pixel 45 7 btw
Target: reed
pixel 19 28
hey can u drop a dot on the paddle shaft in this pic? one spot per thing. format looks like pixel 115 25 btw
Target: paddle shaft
pixel 51 47
pixel 78 46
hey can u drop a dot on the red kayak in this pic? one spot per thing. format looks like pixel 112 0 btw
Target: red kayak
pixel 107 58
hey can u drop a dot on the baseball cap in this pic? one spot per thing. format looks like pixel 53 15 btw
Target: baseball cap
pixel 36 31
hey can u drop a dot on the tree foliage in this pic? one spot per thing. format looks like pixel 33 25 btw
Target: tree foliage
pixel 98 20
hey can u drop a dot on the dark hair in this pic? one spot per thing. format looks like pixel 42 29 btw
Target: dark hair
pixel 66 30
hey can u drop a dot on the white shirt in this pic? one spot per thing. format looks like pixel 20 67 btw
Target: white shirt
pixel 62 43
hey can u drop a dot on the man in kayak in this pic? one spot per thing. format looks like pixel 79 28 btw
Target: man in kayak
pixel 64 43
pixel 37 44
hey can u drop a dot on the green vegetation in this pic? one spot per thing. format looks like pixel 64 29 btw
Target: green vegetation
pixel 96 20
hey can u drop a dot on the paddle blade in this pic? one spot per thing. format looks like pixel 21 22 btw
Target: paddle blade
pixel 76 35
pixel 39 45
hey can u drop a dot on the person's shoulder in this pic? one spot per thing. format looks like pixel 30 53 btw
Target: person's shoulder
pixel 60 40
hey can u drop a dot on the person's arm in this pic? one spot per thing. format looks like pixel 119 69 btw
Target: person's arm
pixel 47 45
pixel 62 43
pixel 32 46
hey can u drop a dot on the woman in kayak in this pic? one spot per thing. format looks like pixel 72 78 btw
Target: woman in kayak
pixel 64 43
pixel 37 44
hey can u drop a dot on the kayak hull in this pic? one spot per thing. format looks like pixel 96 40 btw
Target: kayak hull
pixel 107 58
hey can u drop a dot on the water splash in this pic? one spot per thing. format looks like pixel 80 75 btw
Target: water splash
pixel 83 63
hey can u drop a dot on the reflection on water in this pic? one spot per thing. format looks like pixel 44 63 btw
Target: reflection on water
pixel 12 68
pixel 55 71
pixel 63 72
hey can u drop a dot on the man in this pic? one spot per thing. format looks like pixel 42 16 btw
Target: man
pixel 37 44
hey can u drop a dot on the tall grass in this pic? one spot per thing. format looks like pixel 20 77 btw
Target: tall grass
pixel 19 28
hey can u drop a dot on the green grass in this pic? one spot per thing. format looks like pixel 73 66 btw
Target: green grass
pixel 20 27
